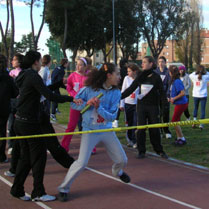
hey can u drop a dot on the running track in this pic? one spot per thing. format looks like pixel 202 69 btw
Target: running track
pixel 156 184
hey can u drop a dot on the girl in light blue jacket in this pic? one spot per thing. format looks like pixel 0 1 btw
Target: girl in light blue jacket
pixel 99 116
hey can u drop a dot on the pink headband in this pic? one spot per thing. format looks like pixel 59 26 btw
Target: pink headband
pixel 84 60
pixel 182 68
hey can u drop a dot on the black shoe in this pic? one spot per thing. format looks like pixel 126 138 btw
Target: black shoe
pixel 63 197
pixel 163 155
pixel 125 178
pixel 141 155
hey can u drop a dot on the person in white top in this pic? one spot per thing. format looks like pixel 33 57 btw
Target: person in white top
pixel 199 79
pixel 129 104
pixel 184 77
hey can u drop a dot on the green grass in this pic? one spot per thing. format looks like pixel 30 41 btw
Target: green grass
pixel 197 148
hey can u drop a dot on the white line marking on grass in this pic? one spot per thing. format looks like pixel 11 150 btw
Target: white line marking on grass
pixel 145 190
pixel 10 185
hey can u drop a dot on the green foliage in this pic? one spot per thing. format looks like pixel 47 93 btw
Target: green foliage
pixel 160 20
pixel 25 44
pixel 90 23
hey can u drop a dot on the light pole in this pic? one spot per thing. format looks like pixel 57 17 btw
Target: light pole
pixel 113 28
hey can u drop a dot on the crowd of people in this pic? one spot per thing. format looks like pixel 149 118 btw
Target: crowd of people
pixel 30 96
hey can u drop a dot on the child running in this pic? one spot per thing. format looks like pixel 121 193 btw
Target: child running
pixel 99 116
pixel 177 97
pixel 129 104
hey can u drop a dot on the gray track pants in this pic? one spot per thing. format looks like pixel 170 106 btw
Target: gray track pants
pixel 88 142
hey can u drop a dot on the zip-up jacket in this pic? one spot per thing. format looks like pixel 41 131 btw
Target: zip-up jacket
pixel 31 87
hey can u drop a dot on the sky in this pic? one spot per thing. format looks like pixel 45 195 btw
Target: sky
pixel 23 27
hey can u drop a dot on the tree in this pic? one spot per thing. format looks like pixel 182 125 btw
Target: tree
pixel 25 44
pixel 8 47
pixel 31 4
pixel 159 20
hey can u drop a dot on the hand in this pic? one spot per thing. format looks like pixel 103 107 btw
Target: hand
pixel 94 102
pixel 122 109
pixel 64 80
pixel 172 100
pixel 78 101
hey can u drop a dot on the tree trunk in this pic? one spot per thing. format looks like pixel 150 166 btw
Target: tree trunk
pixel 191 46
pixel 11 48
pixel 32 25
pixel 65 34
pixel 4 41
pixel 41 26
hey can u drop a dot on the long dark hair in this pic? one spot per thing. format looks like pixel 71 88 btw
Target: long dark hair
pixel 200 71
pixel 173 69
pixel 151 60
pixel 30 58
pixel 3 64
pixel 96 78
pixel 20 59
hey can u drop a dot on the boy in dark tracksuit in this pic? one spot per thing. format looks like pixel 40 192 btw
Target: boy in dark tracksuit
pixel 151 88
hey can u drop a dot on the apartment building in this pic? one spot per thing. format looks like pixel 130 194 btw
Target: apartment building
pixel 169 50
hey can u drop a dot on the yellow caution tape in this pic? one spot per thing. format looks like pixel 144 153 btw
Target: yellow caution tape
pixel 158 125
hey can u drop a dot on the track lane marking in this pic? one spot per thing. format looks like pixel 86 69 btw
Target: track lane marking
pixel 145 190
pixel 10 185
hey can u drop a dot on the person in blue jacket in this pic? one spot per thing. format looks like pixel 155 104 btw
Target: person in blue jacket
pixel 58 74
pixel 99 116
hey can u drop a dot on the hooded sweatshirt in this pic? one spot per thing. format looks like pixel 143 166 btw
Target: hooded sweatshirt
pixel 31 87
pixel 8 90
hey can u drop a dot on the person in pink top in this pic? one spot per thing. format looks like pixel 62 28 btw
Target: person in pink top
pixel 75 82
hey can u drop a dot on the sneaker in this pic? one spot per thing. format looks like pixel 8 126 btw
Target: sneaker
pixel 125 178
pixel 135 146
pixel 25 198
pixel 63 197
pixel 9 173
pixel 44 198
pixel 53 117
pixel 179 142
pixel 115 124
pixel 188 119
pixel 201 126
pixel 9 152
pixel 141 155
pixel 168 136
pixel 163 155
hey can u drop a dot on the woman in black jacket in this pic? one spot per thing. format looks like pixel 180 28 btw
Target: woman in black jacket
pixel 151 90
pixel 33 151
pixel 8 90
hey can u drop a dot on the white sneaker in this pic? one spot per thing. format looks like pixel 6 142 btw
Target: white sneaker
pixel 44 198
pixel 168 136
pixel 135 146
pixel 9 152
pixel 201 126
pixel 8 173
pixel 25 198
pixel 115 124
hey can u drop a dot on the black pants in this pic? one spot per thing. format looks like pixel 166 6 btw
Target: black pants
pixel 130 112
pixel 164 116
pixel 186 112
pixel 32 156
pixel 55 104
pixel 3 127
pixel 52 143
pixel 148 114
pixel 15 155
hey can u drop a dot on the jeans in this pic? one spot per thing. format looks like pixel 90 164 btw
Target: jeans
pixel 202 101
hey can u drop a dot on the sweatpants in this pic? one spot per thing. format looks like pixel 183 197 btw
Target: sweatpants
pixel 32 156
pixel 148 114
pixel 88 142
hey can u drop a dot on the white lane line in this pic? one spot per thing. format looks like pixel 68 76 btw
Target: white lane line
pixel 10 185
pixel 146 190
